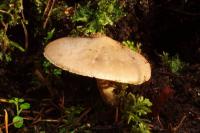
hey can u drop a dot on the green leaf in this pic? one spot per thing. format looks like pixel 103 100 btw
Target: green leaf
pixel 147 102
pixel 12 101
pixel 130 118
pixel 16 99
pixel 20 100
pixel 95 18
pixel 135 107
pixel 17 45
pixel 57 72
pixel 25 106
pixel 49 35
pixel 46 64
pixel 174 63
pixel 18 121
pixel 83 13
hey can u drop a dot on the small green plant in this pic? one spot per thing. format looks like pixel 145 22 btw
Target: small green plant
pixel 135 47
pixel 94 18
pixel 40 5
pixel 20 106
pixel 133 109
pixel 174 63
pixel 49 35
pixel 50 69
pixel 72 120
pixel 71 113
pixel 47 66
pixel 11 14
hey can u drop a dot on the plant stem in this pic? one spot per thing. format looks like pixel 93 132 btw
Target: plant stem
pixel 17 107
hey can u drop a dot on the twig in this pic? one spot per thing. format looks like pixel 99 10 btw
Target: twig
pixel 6 120
pixel 25 34
pixel 48 11
pixel 38 117
pixel 3 100
pixel 5 25
pixel 2 11
pixel 42 120
pixel 24 26
pixel 181 122
pixel 159 122
pixel 174 129
pixel 47 8
pixel 50 120
pixel 84 114
pixel 5 12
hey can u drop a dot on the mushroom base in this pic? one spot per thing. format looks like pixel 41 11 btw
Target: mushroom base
pixel 107 91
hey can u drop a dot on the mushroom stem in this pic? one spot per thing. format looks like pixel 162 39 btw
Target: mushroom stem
pixel 106 89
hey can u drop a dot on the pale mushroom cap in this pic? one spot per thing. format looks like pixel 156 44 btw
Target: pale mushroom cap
pixel 100 57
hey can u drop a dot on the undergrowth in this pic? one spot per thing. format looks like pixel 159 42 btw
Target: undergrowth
pixel 174 63
pixel 20 105
pixel 87 18
pixel 134 108
pixel 94 17
pixel 11 15
pixel 133 46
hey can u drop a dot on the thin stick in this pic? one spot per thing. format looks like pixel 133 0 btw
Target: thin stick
pixel 84 114
pixel 25 35
pixel 3 100
pixel 47 8
pixel 180 124
pixel 2 11
pixel 159 122
pixel 42 120
pixel 48 11
pixel 5 12
pixel 24 26
pixel 6 120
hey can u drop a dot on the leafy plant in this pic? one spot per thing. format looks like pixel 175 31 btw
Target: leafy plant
pixel 20 106
pixel 49 35
pixel 11 14
pixel 94 18
pixel 40 4
pixel 71 113
pixel 50 69
pixel 135 47
pixel 174 63
pixel 133 109
pixel 72 120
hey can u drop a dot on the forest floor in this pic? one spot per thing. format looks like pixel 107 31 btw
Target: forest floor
pixel 175 97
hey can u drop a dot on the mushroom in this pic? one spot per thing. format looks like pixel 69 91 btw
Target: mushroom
pixel 102 58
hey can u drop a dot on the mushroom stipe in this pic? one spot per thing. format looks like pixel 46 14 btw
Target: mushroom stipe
pixel 99 57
